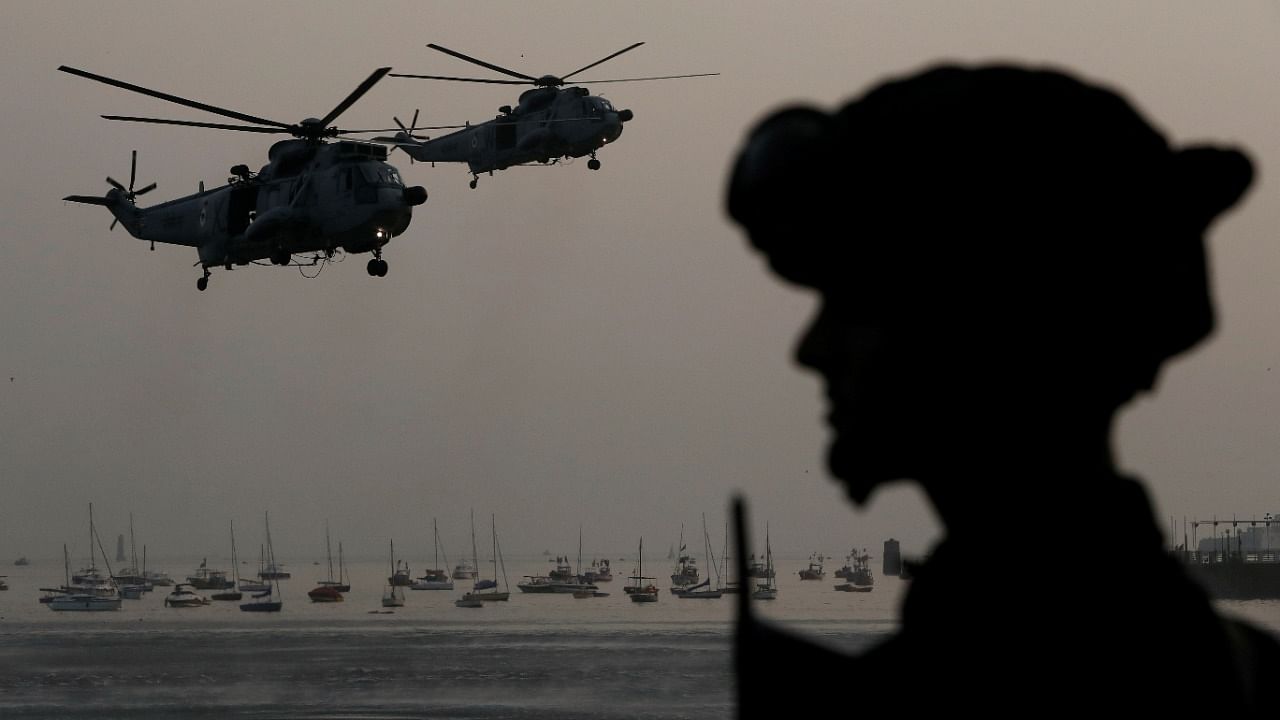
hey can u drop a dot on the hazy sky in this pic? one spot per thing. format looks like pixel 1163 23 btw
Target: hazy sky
pixel 559 346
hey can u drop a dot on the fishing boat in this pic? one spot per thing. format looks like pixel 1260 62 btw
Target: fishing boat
pixel 233 593
pixel 490 592
pixel 469 600
pixel 859 575
pixel 3 585
pixel 207 578
pixel 437 578
pixel 327 590
pixel 599 571
pixel 686 571
pixel 183 595
pixel 393 595
pixel 767 590
pixel 22 561
pixel 814 571
pixel 642 592
pixel 563 571
pixel 269 600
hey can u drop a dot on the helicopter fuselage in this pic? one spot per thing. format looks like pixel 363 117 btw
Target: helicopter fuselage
pixel 310 198
pixel 547 124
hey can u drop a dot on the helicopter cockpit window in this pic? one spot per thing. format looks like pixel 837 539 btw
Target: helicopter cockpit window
pixel 381 176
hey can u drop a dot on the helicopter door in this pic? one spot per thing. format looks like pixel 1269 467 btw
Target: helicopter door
pixel 243 201
pixel 505 134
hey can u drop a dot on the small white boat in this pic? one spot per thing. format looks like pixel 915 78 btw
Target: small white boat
pixel 184 596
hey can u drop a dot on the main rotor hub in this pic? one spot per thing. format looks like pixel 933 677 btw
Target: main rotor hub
pixel 548 81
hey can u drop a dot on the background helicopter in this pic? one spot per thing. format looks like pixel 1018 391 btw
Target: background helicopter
pixel 311 197
pixel 548 122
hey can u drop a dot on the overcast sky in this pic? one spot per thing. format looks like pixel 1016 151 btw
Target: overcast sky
pixel 559 346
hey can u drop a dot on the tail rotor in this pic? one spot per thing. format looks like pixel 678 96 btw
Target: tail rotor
pixel 129 193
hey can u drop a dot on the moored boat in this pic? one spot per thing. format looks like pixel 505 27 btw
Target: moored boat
pixel 437 578
pixel 183 595
pixel 767 590
pixel 327 590
pixel 640 591
pixel 814 571
pixel 268 600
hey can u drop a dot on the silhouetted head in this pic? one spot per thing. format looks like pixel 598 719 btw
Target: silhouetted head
pixel 997 250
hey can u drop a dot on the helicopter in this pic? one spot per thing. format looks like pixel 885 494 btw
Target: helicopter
pixel 312 197
pixel 549 122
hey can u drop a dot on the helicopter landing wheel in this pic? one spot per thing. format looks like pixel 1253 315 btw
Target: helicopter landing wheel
pixel 377 267
pixel 382 268
pixel 202 284
pixel 280 257
pixel 593 164
pixel 473 183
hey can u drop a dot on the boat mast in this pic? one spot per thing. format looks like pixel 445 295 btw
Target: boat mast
pixel 328 549
pixel 235 564
pixel 66 566
pixel 711 558
pixel 271 556
pixel 475 561
pixel 133 548
pixel 493 524
pixel 341 569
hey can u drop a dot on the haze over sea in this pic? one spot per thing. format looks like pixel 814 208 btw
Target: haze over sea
pixel 535 656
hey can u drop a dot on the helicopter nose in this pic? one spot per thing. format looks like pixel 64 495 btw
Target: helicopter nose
pixel 415 195
pixel 625 115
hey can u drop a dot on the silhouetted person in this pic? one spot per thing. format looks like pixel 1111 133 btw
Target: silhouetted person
pixel 1004 258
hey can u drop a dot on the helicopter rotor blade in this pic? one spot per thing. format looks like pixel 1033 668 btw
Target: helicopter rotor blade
pixel 400 129
pixel 133 170
pixel 194 123
pixel 116 184
pixel 413 124
pixel 460 79
pixel 173 98
pixel 113 224
pixel 481 63
pixel 354 96
pixel 606 58
pixel 641 79
pixel 145 190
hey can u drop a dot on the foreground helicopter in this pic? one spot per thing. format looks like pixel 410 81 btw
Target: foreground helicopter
pixel 311 197
pixel 549 122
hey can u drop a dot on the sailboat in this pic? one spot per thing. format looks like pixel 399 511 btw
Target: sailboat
pixel 436 578
pixel 730 585
pixel 392 595
pixel 641 592
pixel 491 591
pixel 234 593
pixel 259 585
pixel 327 590
pixel 767 590
pixel 562 580
pixel 703 590
pixel 469 570
pixel 268 600
pixel 103 595
pixel 131 580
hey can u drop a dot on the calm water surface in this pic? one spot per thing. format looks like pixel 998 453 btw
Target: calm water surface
pixel 535 656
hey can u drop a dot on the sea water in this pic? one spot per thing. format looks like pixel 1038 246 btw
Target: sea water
pixel 535 656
